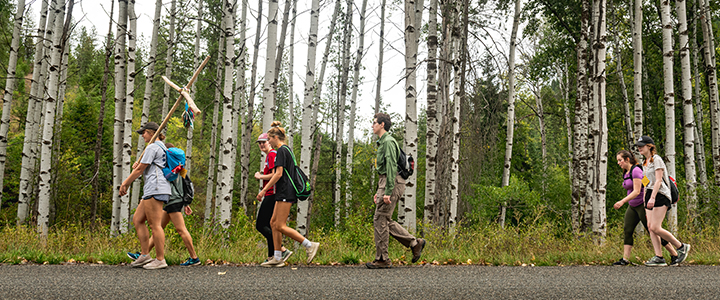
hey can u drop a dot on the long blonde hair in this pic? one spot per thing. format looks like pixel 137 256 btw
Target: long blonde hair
pixel 277 131
pixel 653 151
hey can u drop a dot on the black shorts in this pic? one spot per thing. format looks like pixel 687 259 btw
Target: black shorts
pixel 176 207
pixel 660 200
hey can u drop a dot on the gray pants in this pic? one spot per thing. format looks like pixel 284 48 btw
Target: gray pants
pixel 383 222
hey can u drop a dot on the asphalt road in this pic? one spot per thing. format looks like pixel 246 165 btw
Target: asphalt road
pixel 357 282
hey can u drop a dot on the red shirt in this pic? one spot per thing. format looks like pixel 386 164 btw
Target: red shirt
pixel 269 166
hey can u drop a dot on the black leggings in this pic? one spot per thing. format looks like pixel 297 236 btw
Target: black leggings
pixel 634 215
pixel 267 206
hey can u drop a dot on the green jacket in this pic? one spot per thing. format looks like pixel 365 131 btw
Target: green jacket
pixel 387 157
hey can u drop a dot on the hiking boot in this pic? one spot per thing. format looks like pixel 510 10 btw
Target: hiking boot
pixel 141 260
pixel 312 251
pixel 683 253
pixel 673 261
pixel 155 264
pixel 621 262
pixel 417 250
pixel 656 261
pixel 286 254
pixel 191 262
pixel 379 264
pixel 273 263
pixel 133 255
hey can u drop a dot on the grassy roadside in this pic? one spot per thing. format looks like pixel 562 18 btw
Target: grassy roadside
pixel 539 245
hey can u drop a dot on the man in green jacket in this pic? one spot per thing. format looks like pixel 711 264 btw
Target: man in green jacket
pixel 388 193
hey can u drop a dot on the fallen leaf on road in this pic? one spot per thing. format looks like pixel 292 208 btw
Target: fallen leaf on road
pixel 222 273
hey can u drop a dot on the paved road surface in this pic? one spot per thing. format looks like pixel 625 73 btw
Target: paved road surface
pixel 356 282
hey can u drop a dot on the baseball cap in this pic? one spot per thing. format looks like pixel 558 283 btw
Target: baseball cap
pixel 644 140
pixel 263 137
pixel 149 125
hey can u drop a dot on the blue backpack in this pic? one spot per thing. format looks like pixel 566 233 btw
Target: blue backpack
pixel 174 162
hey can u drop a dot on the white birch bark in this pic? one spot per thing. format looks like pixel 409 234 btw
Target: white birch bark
pixel 210 197
pixel 278 65
pixel 307 108
pixel 323 64
pixel 225 166
pixel 117 212
pixel 699 141
pixel 291 76
pixel 433 125
pixel 711 73
pixel 196 64
pixel 581 137
pixel 637 68
pixel 169 58
pixel 340 121
pixel 268 92
pixel 599 214
pixel 34 104
pixel 246 110
pixel 688 113
pixel 456 51
pixel 149 80
pixel 408 201
pixel 46 156
pixel 381 50
pixel 669 97
pixel 626 100
pixel 9 89
pixel 511 107
pixel 353 101
pixel 126 202
pixel 239 101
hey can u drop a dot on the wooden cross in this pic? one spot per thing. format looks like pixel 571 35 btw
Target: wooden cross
pixel 183 94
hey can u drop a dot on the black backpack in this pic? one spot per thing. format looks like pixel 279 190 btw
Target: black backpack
pixel 300 181
pixel 188 190
pixel 674 192
pixel 406 164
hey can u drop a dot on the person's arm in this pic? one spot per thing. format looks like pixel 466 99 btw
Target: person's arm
pixel 275 177
pixel 391 159
pixel 261 176
pixel 134 175
pixel 637 187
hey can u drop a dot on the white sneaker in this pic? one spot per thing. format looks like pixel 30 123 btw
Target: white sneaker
pixel 273 263
pixel 141 260
pixel 155 264
pixel 312 251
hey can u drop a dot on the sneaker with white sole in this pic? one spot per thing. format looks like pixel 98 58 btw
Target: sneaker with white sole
pixel 312 251
pixel 286 254
pixel 133 255
pixel 683 253
pixel 141 261
pixel 155 264
pixel 273 263
pixel 191 262
pixel 656 261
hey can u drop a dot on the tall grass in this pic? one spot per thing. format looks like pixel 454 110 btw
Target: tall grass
pixel 540 244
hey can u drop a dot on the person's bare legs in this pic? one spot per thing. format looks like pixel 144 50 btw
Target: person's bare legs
pixel 654 219
pixel 165 221
pixel 279 226
pixel 154 213
pixel 179 222
pixel 140 229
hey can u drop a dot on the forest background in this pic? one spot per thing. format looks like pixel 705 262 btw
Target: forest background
pixel 467 192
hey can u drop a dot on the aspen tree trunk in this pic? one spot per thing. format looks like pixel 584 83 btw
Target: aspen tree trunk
pixel 101 118
pixel 226 167
pixel 381 47
pixel 9 89
pixel 688 114
pixel 432 117
pixel 543 138
pixel 34 104
pixel 626 101
pixel 268 91
pixel 248 123
pixel 57 129
pixel 599 214
pixel 240 94
pixel 118 216
pixel 291 77
pixel 669 98
pixel 278 66
pixel 323 64
pixel 196 64
pixel 339 133
pixel 511 108
pixel 169 59
pixel 408 201
pixel 212 164
pixel 699 140
pixel 307 108
pixel 458 55
pixel 353 101
pixel 568 124
pixel 580 158
pixel 127 203
pixel 53 83
pixel 149 80
pixel 711 74
pixel 637 69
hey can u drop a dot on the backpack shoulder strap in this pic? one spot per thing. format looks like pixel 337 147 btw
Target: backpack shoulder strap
pixel 291 154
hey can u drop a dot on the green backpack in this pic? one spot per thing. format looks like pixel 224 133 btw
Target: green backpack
pixel 300 181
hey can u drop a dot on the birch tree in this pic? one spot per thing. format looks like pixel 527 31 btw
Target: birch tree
pixel 209 199
pixel 53 83
pixel 147 95
pixel 699 141
pixel 240 95
pixel 669 98
pixel 711 74
pixel 637 68
pixel 381 47
pixel 291 77
pixel 278 64
pixel 412 19
pixel 353 101
pixel 169 58
pixel 268 92
pixel 307 108
pixel 433 124
pixel 688 114
pixel 580 158
pixel 340 121
pixel 118 216
pixel 599 214
pixel 196 64
pixel 127 202
pixel 511 107
pixel 9 89
pixel 626 101
pixel 226 171
pixel 457 51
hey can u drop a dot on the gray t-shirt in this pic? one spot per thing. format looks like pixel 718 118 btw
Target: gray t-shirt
pixel 649 172
pixel 155 182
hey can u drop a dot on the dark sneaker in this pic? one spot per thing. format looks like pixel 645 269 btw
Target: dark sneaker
pixel 621 262
pixel 683 253
pixel 417 250
pixel 191 262
pixel 134 255
pixel 656 261
pixel 286 254
pixel 379 264
pixel 141 261
pixel 673 261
